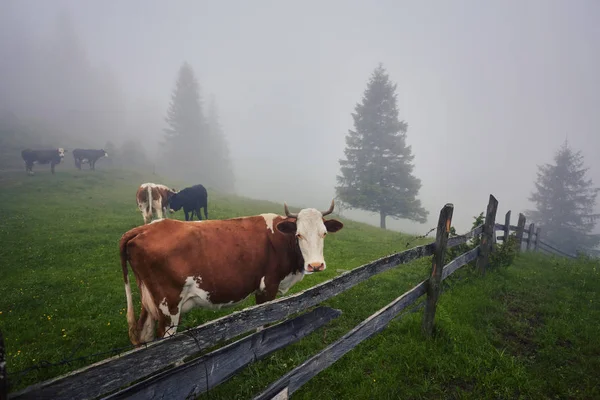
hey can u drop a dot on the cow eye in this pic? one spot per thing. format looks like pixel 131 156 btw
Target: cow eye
pixel 299 236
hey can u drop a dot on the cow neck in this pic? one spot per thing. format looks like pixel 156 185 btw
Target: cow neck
pixel 297 263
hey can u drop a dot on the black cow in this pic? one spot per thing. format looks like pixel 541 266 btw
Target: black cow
pixel 89 156
pixel 49 156
pixel 191 199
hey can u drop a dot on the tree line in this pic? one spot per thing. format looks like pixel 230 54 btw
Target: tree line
pixel 377 175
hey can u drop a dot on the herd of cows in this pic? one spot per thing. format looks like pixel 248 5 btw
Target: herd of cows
pixel 180 265
pixel 55 157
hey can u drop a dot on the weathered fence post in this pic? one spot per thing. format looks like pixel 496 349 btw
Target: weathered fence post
pixel 3 375
pixel 530 235
pixel 437 265
pixel 485 245
pixel 537 239
pixel 506 228
pixel 520 230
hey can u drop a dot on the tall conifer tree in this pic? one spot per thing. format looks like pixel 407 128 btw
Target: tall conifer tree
pixel 377 172
pixel 565 200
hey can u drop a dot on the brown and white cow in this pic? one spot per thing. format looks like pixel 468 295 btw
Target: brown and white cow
pixel 180 265
pixel 153 197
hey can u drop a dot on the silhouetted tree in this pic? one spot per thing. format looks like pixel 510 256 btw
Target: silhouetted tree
pixel 377 172
pixel 187 142
pixel 224 178
pixel 565 202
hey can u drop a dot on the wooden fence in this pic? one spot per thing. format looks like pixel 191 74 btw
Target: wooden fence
pixel 147 367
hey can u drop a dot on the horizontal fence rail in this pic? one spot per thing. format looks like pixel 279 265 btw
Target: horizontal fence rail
pixel 159 370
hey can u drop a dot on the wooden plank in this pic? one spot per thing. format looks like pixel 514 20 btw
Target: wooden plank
pixel 462 239
pixel 486 237
pixel 530 236
pixel 506 229
pixel 537 238
pixel 520 230
pixel 3 374
pixel 460 261
pixel 113 373
pixel 434 285
pixel 498 227
pixel 203 374
pixel 297 377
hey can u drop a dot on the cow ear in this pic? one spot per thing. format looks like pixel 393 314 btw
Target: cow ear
pixel 333 225
pixel 287 227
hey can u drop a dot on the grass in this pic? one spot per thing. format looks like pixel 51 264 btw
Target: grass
pixel 526 331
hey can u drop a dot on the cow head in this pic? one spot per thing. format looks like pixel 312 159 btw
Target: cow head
pixel 310 229
pixel 105 153
pixel 175 203
pixel 61 152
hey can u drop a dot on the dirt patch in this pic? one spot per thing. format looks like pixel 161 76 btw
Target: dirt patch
pixel 519 326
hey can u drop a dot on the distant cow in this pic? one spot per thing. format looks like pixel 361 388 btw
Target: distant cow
pixel 191 199
pixel 181 265
pixel 89 156
pixel 153 197
pixel 45 156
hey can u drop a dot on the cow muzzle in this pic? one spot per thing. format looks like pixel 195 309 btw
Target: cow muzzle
pixel 315 267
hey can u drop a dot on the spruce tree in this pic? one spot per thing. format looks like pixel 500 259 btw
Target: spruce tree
pixel 224 176
pixel 565 202
pixel 377 171
pixel 186 143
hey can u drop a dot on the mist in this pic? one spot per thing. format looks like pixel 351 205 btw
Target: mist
pixel 489 89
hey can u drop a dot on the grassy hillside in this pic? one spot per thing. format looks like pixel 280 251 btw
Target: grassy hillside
pixel 527 331
pixel 62 291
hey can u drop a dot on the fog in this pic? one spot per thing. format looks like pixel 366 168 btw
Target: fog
pixel 489 89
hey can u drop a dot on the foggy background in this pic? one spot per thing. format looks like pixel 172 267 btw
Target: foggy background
pixel 489 89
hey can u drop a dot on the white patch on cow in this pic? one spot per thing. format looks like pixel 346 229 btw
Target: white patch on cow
pixel 289 281
pixel 312 230
pixel 193 296
pixel 172 328
pixel 157 220
pixel 148 301
pixel 263 285
pixel 147 333
pixel 61 152
pixel 269 217
pixel 164 307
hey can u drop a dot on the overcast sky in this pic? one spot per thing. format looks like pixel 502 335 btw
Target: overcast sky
pixel 489 89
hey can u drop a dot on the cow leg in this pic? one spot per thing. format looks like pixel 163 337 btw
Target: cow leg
pixel 29 168
pixel 93 165
pixel 206 212
pixel 265 293
pixel 52 167
pixel 187 218
pixel 198 214
pixel 146 326
pixel 167 325
pixel 158 207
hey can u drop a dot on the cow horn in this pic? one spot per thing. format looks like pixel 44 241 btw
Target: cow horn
pixel 330 208
pixel 287 211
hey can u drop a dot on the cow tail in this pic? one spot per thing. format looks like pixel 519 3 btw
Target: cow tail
pixel 150 199
pixel 134 334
